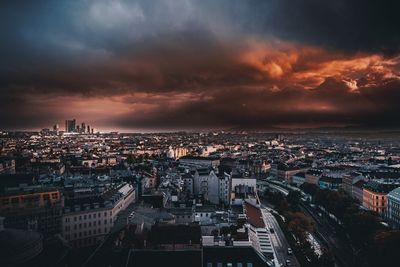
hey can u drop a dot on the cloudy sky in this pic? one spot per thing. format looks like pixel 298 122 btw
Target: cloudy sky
pixel 206 64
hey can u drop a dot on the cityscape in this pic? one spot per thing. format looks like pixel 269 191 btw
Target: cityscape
pixel 181 133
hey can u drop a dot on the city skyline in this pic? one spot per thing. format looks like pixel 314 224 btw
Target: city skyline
pixel 135 66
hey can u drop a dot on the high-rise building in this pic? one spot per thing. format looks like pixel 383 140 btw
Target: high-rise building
pixel 88 129
pixel 70 126
pixel 55 128
pixel 83 127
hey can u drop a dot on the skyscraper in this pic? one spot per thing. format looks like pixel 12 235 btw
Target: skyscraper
pixel 55 128
pixel 70 126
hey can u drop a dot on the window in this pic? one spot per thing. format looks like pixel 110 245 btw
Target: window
pixel 209 264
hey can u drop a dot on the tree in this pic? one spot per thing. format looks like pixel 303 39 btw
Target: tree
pixel 385 248
pixel 293 198
pixel 310 189
pixel 362 227
pixel 300 225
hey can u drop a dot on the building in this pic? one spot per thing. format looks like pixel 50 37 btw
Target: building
pixel 242 188
pixel 357 190
pixel 393 208
pixel 299 178
pixel 327 182
pixel 187 184
pixel 375 194
pixel 33 208
pixel 70 126
pixel 224 188
pixel 192 161
pixel 348 181
pixel 206 184
pixel 87 223
pixel 312 176
pixel 285 172
pixel 177 153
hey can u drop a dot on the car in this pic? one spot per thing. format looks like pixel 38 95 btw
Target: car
pixel 271 230
pixel 288 263
pixel 289 251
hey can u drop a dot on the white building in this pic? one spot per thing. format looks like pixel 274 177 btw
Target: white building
pixel 242 188
pixel 88 224
pixel 206 183
pixel 224 188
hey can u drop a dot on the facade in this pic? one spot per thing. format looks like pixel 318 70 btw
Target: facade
pixel 327 182
pixel 393 208
pixel 70 126
pixel 242 188
pixel 285 172
pixel 224 188
pixel 88 224
pixel 36 208
pixel 187 183
pixel 206 184
pixel 199 161
pixel 299 178
pixel 312 176
pixel 375 195
pixel 357 190
pixel 349 180
pixel 177 153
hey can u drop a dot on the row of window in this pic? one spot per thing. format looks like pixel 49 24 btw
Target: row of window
pixel 89 224
pixel 87 216
pixel 85 234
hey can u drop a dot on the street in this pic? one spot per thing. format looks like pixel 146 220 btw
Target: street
pixel 278 239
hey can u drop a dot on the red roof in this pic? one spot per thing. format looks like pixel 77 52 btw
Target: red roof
pixel 254 216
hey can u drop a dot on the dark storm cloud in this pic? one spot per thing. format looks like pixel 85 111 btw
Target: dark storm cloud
pixel 351 25
pixel 198 64
pixel 330 104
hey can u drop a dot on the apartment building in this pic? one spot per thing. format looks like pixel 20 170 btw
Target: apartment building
pixel 87 224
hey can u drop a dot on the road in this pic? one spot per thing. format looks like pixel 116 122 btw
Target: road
pixel 278 238
pixel 325 234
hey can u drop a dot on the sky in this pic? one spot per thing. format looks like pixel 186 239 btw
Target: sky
pixel 165 65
